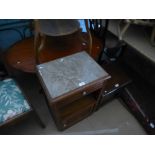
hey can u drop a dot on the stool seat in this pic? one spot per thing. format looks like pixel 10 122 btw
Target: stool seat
pixel 12 101
pixel 57 27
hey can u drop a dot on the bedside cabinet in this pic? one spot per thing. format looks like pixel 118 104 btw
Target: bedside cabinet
pixel 69 84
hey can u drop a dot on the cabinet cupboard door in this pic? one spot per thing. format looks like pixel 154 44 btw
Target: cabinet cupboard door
pixel 76 111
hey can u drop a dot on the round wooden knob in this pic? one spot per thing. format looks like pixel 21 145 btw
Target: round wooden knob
pixel 84 93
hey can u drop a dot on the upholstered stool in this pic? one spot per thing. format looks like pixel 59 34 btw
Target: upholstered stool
pixel 13 104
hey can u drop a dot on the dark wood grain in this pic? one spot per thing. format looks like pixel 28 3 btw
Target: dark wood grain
pixel 21 56
pixel 77 111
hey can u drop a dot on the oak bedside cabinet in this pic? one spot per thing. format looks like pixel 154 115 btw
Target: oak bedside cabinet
pixel 69 84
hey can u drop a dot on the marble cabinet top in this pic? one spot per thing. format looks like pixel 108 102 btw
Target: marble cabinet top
pixel 66 74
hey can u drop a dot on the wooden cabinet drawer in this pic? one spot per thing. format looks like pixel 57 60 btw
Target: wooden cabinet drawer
pixel 74 95
pixel 75 118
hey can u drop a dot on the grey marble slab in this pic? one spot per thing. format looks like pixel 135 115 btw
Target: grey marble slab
pixel 65 74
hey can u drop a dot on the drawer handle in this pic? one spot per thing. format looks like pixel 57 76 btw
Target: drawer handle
pixel 84 93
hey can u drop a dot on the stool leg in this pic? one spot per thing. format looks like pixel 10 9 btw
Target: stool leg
pixel 36 45
pixel 39 41
pixel 39 47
